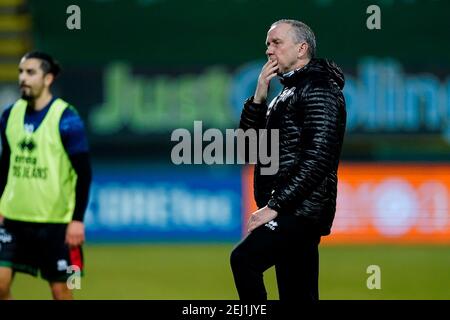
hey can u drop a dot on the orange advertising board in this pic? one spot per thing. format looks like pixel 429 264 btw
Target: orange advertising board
pixel 385 203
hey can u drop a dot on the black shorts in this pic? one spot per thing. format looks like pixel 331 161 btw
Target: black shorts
pixel 39 247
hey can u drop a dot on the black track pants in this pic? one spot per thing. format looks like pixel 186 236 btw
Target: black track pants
pixel 292 247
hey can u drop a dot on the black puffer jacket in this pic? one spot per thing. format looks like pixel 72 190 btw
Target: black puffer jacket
pixel 310 115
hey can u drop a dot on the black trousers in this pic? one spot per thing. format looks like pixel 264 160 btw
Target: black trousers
pixel 289 244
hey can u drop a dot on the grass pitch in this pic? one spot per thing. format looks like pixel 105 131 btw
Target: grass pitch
pixel 176 271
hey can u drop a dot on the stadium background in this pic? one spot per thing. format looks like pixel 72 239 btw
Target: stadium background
pixel 138 69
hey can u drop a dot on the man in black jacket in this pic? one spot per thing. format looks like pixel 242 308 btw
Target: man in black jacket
pixel 298 203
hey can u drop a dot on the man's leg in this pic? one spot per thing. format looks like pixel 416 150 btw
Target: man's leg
pixel 298 270
pixel 58 262
pixel 60 291
pixel 11 253
pixel 6 277
pixel 251 257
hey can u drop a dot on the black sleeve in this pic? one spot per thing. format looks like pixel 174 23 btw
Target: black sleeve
pixel 4 165
pixel 6 151
pixel 319 145
pixel 253 115
pixel 82 166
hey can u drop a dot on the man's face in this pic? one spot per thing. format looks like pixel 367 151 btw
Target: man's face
pixel 32 79
pixel 282 48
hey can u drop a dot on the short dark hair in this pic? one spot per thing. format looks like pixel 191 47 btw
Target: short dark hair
pixel 301 32
pixel 48 64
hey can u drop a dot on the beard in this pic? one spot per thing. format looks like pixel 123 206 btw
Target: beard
pixel 28 94
pixel 27 97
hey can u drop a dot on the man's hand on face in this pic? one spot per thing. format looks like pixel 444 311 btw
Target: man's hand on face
pixel 269 70
pixel 261 217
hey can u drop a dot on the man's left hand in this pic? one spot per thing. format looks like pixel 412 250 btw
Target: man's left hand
pixel 75 234
pixel 261 217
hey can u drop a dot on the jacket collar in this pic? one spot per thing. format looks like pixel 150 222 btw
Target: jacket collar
pixel 291 77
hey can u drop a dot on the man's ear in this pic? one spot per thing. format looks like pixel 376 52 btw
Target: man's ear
pixel 303 49
pixel 48 79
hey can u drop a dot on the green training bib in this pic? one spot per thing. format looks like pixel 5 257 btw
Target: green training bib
pixel 41 180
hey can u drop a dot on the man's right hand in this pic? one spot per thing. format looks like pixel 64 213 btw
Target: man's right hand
pixel 1 219
pixel 268 71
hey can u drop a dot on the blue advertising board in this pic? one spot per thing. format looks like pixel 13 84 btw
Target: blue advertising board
pixel 166 203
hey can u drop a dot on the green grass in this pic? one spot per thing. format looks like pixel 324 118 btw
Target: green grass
pixel 174 271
